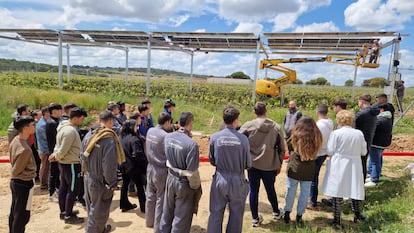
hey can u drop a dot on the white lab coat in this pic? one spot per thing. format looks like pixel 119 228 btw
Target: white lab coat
pixel 343 177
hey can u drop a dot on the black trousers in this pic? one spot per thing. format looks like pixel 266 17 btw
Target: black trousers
pixel 54 181
pixel 364 160
pixel 140 182
pixel 19 215
pixel 70 182
pixel 37 160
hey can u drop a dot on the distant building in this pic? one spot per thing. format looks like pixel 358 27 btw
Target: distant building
pixel 229 81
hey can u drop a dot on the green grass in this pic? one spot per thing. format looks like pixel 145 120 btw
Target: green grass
pixel 389 208
pixel 208 116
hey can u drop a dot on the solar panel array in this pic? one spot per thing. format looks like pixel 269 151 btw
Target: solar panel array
pixel 288 43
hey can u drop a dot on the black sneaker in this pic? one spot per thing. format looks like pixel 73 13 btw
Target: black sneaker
pixel 108 228
pixel 359 217
pixel 327 202
pixel 286 217
pixel 63 214
pixel 335 223
pixel 73 219
pixel 131 207
pixel 299 219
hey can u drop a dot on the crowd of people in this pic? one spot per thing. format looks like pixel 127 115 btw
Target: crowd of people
pixel 161 162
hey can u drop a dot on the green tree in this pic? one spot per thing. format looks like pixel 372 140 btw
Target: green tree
pixel 375 82
pixel 349 83
pixel 379 82
pixel 238 74
pixel 297 81
pixel 321 81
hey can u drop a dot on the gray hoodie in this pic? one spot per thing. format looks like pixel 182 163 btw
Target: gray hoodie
pixel 266 143
pixel 68 144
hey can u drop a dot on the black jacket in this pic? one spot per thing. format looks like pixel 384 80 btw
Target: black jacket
pixel 366 121
pixel 136 161
pixel 383 131
pixel 51 131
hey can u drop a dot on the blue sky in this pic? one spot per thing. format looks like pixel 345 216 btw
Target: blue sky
pixel 211 16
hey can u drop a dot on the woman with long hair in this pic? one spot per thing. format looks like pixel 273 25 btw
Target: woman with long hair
pixel 304 144
pixel 135 166
pixel 343 177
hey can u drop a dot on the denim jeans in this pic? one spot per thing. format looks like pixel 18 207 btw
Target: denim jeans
pixel 268 178
pixel 292 185
pixel 314 185
pixel 375 163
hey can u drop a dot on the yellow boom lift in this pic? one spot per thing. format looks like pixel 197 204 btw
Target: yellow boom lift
pixel 271 87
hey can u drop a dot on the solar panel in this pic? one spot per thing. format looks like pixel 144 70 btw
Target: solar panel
pixel 307 42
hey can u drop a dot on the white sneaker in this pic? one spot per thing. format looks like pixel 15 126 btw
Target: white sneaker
pixel 370 184
pixel 368 179
pixel 277 216
pixel 54 197
pixel 257 222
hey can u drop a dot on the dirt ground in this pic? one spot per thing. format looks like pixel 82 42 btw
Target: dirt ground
pixel 45 214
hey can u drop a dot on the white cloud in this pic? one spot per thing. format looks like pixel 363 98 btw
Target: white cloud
pixel 178 20
pixel 150 11
pixel 287 20
pixel 11 20
pixel 256 28
pixel 254 11
pixel 318 27
pixel 371 15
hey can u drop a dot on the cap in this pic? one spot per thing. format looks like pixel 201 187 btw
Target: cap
pixel 169 103
pixel 112 106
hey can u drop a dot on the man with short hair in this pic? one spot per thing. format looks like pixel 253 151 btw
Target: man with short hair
pixel 366 120
pixel 22 110
pixel 325 125
pixel 182 160
pixel 101 154
pixel 157 171
pixel 383 99
pixel 67 152
pixel 43 148
pixel 292 116
pixel 339 104
pixel 52 123
pixel 67 108
pixel 267 151
pixel 382 139
pixel 144 126
pixel 121 117
pixel 150 120
pixel 230 154
pixel 400 95
pixel 114 108
pixel 23 172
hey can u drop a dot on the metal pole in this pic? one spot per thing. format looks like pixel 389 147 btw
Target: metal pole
pixel 68 61
pixel 126 66
pixel 394 75
pixel 60 60
pixel 256 68
pixel 353 84
pixel 148 66
pixel 191 72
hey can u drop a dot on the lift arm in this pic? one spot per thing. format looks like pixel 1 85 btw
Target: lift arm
pixel 271 87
